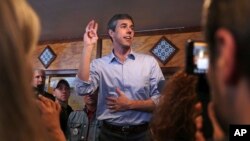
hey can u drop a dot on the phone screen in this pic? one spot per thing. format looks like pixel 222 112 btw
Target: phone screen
pixel 200 58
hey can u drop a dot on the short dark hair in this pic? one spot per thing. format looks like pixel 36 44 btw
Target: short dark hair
pixel 113 21
pixel 234 16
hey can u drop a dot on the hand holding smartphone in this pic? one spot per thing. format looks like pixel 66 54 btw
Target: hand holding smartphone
pixel 197 63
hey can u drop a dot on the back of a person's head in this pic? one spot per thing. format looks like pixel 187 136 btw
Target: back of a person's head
pixel 18 35
pixel 232 15
pixel 174 116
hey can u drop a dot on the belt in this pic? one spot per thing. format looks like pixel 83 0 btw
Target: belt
pixel 127 129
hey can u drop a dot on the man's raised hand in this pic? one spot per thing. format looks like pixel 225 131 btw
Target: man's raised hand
pixel 90 36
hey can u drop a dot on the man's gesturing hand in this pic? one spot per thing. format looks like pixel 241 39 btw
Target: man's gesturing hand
pixel 120 103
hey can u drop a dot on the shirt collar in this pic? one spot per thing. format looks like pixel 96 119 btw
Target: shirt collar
pixel 112 56
pixel 88 111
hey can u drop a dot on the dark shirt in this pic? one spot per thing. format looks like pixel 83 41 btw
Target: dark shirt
pixel 64 115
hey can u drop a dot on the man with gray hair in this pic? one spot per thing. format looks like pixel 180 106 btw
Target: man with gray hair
pixel 38 83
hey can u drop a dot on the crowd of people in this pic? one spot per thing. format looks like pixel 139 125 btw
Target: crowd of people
pixel 123 102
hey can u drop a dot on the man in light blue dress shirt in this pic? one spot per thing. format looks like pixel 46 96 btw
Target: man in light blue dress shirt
pixel 127 82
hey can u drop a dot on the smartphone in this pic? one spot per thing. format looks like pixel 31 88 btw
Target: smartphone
pixel 197 63
pixel 197 57
pixel 203 95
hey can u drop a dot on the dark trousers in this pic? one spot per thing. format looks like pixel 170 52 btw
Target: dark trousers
pixel 108 135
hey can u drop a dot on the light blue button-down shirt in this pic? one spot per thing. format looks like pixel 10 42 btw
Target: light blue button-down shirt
pixel 137 77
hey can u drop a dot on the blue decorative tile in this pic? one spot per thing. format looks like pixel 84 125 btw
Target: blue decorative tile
pixel 47 56
pixel 163 50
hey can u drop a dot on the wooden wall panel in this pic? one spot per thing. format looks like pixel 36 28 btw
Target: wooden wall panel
pixel 68 55
pixel 143 44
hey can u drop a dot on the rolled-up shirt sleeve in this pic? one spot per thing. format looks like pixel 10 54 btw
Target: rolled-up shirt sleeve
pixel 156 77
pixel 82 87
pixel 87 87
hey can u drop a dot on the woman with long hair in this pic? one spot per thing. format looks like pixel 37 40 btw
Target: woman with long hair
pixel 174 117
pixel 20 119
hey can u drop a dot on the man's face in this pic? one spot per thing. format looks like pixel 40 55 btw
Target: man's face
pixel 38 79
pixel 62 93
pixel 221 94
pixel 124 33
pixel 90 99
pixel 218 89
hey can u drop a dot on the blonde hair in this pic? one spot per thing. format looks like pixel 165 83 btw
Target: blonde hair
pixel 19 30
